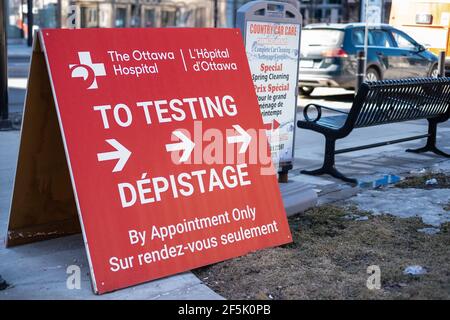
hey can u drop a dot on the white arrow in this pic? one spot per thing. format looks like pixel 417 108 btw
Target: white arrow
pixel 243 137
pixel 121 153
pixel 186 144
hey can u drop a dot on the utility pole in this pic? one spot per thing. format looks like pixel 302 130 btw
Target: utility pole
pixel 5 123
pixel 234 12
pixel 22 34
pixel 346 10
pixel 30 22
pixel 312 12
pixel 216 12
pixel 366 35
pixel 135 13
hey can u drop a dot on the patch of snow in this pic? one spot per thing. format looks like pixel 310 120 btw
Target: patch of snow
pixel 444 166
pixel 355 217
pixel 407 203
pixel 420 171
pixel 429 231
pixel 415 270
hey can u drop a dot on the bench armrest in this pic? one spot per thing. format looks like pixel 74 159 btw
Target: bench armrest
pixel 319 111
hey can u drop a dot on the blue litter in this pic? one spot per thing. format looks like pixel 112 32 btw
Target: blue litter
pixel 381 182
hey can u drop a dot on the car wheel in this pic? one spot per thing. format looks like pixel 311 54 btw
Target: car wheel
pixel 306 91
pixel 372 75
pixel 434 72
pixel 436 91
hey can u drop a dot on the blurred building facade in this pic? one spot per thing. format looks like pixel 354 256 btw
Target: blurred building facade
pixel 336 11
pixel 162 13
pixel 147 13
pixel 116 14
pixel 323 11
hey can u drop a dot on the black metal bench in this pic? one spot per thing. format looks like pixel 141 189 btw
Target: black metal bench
pixel 378 103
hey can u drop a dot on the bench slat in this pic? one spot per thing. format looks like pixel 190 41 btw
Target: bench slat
pixel 333 122
pixel 397 101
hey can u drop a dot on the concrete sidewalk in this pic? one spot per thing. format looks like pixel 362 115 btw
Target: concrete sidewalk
pixel 18 66
pixel 38 270
pixel 19 56
pixel 19 51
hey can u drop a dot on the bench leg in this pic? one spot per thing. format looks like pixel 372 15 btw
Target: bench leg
pixel 328 166
pixel 431 142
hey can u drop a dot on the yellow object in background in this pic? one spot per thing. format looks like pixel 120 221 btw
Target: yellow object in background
pixel 428 22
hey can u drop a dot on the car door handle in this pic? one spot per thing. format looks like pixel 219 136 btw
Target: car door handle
pixel 380 54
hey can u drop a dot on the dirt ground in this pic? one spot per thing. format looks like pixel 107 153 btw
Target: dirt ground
pixel 332 248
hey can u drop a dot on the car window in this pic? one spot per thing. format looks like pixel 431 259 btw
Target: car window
pixel 322 38
pixel 358 37
pixel 377 38
pixel 380 38
pixel 402 41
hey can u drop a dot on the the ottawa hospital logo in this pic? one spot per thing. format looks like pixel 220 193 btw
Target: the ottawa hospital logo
pixel 87 70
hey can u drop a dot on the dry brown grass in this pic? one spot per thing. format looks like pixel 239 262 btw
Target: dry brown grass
pixel 329 258
pixel 419 182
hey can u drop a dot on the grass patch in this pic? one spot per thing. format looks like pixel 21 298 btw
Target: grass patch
pixel 329 258
pixel 419 182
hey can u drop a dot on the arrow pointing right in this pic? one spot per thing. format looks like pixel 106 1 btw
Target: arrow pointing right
pixel 272 126
pixel 275 125
pixel 186 145
pixel 243 137
pixel 121 153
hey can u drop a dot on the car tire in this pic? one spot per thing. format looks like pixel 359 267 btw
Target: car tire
pixel 436 91
pixel 306 91
pixel 372 75
pixel 434 73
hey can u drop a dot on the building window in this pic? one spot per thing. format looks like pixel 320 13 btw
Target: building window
pixel 318 15
pixel 121 18
pixel 150 18
pixel 168 17
pixel 200 17
pixel 89 17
